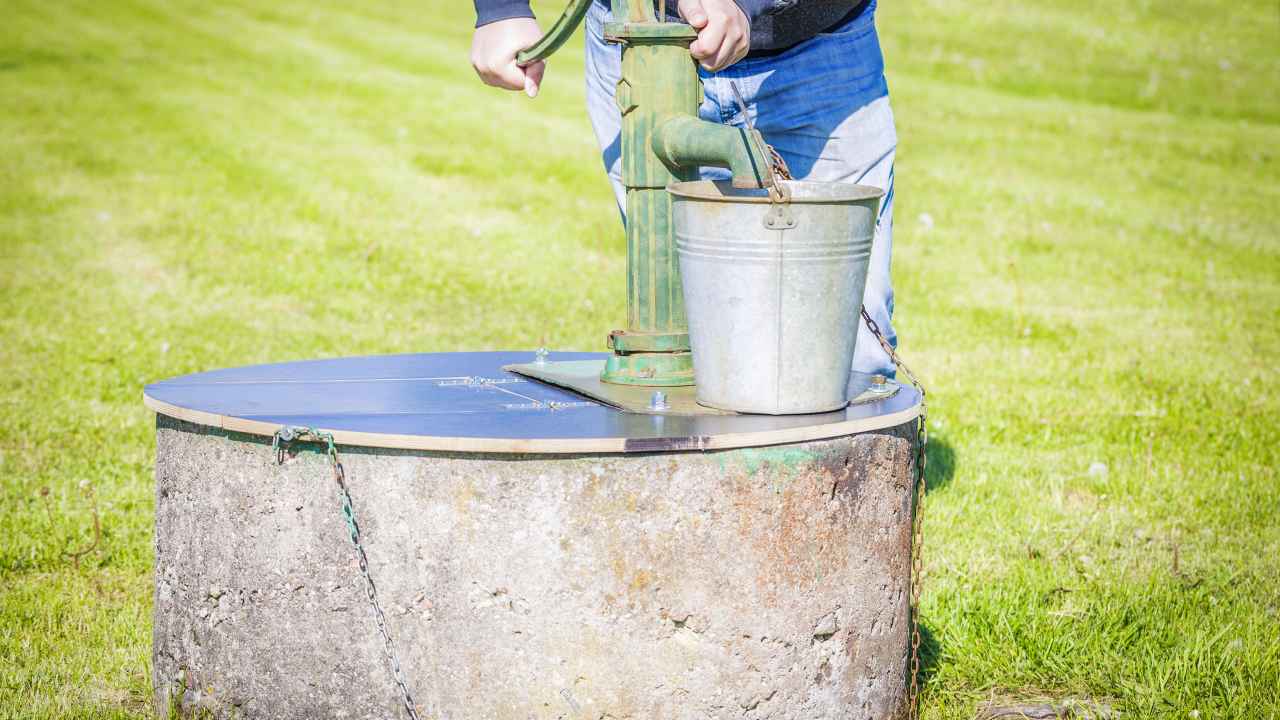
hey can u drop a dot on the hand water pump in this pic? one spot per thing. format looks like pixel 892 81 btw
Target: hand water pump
pixel 663 141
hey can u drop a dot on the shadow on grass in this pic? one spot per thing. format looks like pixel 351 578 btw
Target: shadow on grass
pixel 940 464
pixel 930 655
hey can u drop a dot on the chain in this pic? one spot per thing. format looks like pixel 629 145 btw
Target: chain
pixel 777 164
pixel 279 442
pixel 917 529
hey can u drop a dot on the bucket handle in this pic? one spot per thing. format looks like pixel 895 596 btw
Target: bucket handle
pixel 779 216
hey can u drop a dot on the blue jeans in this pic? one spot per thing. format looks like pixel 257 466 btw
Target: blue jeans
pixel 823 104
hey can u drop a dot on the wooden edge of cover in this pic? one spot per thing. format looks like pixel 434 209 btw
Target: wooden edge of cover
pixel 550 446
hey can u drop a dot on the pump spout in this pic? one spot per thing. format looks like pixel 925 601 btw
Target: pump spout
pixel 684 141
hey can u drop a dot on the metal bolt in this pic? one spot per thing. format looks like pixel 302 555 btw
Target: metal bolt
pixel 540 357
pixel 658 401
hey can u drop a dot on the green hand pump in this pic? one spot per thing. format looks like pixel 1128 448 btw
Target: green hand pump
pixel 663 141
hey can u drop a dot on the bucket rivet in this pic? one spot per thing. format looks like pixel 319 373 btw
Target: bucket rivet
pixel 540 357
pixel 658 401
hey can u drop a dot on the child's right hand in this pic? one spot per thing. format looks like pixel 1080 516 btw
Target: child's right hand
pixel 493 54
pixel 724 32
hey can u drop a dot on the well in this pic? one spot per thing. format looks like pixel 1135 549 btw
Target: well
pixel 537 556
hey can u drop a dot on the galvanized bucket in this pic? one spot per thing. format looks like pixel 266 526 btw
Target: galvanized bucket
pixel 772 291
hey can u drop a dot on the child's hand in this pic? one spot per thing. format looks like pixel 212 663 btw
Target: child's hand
pixel 493 54
pixel 724 33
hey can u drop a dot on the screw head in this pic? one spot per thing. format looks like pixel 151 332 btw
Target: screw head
pixel 658 401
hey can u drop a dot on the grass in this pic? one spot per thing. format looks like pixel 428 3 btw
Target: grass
pixel 1087 266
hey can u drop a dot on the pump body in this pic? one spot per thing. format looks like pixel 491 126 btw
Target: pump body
pixel 663 141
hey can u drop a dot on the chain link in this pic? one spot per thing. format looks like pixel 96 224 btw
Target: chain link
pixel 279 442
pixel 778 165
pixel 917 528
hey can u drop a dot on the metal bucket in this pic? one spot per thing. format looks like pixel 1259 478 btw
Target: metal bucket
pixel 772 291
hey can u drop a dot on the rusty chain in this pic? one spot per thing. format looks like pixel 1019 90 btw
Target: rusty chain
pixel 917 528
pixel 279 443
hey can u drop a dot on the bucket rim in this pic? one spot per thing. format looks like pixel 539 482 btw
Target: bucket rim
pixel 802 191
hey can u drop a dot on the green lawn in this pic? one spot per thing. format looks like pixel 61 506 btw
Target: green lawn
pixel 1087 266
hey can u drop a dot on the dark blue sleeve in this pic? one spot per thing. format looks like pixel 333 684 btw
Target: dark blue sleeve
pixel 488 11
pixel 752 8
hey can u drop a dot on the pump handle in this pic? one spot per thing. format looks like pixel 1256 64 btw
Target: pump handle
pixel 558 35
